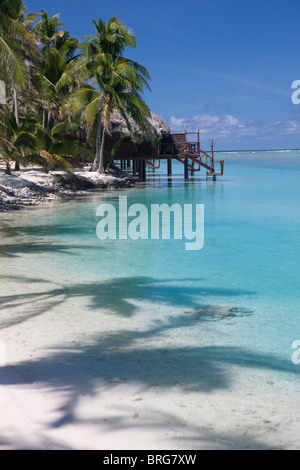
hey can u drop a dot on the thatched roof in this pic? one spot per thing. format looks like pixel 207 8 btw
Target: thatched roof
pixel 157 127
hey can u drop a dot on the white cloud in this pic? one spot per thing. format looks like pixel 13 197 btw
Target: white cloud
pixel 229 128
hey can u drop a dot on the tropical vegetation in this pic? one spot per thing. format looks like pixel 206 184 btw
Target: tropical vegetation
pixel 62 92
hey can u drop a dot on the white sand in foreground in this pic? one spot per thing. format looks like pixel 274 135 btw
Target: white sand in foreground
pixel 65 387
pixel 119 415
pixel 116 417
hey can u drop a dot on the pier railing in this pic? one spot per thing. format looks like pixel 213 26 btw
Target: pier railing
pixel 173 147
pixel 197 158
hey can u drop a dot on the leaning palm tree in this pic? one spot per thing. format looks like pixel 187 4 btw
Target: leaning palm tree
pixel 119 89
pixel 119 83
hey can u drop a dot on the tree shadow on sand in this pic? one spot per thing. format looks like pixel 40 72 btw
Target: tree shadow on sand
pixel 119 360
pixel 137 358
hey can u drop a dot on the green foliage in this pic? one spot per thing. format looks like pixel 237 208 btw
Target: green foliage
pixel 15 140
pixel 17 43
pixel 54 88
pixel 119 83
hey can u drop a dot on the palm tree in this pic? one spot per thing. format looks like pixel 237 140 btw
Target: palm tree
pixel 47 29
pixel 17 45
pixel 111 38
pixel 119 83
pixel 55 77
pixel 119 89
pixel 55 81
pixel 25 18
pixel 16 140
pixel 53 149
pixel 17 49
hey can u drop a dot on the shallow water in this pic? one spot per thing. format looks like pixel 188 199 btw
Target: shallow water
pixel 234 305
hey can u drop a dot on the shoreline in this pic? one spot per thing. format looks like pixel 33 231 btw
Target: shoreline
pixel 33 187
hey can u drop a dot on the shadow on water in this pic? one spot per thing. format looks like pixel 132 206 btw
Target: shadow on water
pixel 41 230
pixel 132 357
pixel 15 250
pixel 117 296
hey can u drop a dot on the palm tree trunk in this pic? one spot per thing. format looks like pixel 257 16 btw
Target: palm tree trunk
pixel 96 162
pixel 48 122
pixel 17 164
pixel 7 170
pixel 101 161
pixel 44 119
pixel 16 110
pixel 16 107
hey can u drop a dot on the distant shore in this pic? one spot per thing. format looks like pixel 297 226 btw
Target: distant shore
pixel 32 186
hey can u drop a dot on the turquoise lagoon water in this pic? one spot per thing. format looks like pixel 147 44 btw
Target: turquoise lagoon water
pixel 238 298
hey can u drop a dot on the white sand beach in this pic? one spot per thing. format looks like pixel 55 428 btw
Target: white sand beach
pixel 65 387
pixel 32 186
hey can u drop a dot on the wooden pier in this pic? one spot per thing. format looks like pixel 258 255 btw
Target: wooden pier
pixel 173 147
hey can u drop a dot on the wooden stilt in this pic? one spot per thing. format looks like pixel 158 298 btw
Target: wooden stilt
pixel 143 170
pixel 169 167
pixel 176 147
pixel 186 169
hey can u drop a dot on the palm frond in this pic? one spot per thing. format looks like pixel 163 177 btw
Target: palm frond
pixel 82 97
pixel 12 61
pixel 26 139
pixel 91 111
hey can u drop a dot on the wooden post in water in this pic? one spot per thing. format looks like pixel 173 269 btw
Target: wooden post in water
pixel 133 167
pixel 186 169
pixel 139 166
pixel 169 166
pixel 212 144
pixel 143 170
pixel 128 164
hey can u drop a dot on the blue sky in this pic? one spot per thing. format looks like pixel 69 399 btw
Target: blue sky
pixel 223 66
